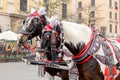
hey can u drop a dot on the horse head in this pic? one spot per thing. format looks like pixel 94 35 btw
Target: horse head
pixel 32 26
pixel 51 39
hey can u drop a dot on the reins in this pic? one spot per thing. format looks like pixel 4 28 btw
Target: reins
pixel 54 51
pixel 29 35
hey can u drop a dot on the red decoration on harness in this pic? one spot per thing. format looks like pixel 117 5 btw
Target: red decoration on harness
pixel 85 48
pixel 114 70
pixel 107 47
pixel 118 40
pixel 105 39
pixel 35 14
pixel 111 78
pixel 28 47
pixel 87 59
pixel 111 53
pixel 80 54
pixel 107 71
pixel 42 19
pixel 107 78
pixel 48 27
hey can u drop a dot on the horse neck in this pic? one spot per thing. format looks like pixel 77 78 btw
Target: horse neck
pixel 37 32
pixel 76 33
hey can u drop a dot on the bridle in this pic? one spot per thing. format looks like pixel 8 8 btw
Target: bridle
pixel 29 35
pixel 53 41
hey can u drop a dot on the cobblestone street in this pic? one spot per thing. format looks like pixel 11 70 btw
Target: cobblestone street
pixel 20 71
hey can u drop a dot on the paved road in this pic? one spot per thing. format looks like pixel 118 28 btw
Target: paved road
pixel 20 71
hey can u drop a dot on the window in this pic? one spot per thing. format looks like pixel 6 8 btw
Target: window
pixel 116 5
pixel 0 3
pixel 110 3
pixel 11 1
pixel 45 1
pixel 23 5
pixel 79 17
pixel 115 16
pixel 0 31
pixel 10 8
pixel 92 14
pixel 92 2
pixel 110 28
pixel 64 11
pixel 103 30
pixel 80 4
pixel 110 15
pixel 115 28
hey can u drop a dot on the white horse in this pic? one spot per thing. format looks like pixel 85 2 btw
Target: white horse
pixel 91 52
pixel 78 33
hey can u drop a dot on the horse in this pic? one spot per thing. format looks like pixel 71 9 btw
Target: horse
pixel 32 27
pixel 96 57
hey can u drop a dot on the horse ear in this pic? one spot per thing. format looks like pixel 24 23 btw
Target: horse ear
pixel 54 21
pixel 32 10
pixel 42 11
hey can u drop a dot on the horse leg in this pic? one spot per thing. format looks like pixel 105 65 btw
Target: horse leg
pixel 64 74
pixel 90 71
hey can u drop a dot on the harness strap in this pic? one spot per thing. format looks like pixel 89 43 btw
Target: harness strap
pixel 107 59
pixel 91 48
pixel 85 49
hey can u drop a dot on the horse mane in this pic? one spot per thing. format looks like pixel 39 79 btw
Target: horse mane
pixel 75 49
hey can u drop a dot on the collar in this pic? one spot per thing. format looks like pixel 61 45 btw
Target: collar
pixel 92 47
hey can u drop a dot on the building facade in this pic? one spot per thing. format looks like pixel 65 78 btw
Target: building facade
pixel 102 14
pixel 12 13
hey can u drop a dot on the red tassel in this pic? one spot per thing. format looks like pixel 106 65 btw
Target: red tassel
pixel 111 78
pixel 107 78
pixel 107 72
pixel 114 70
